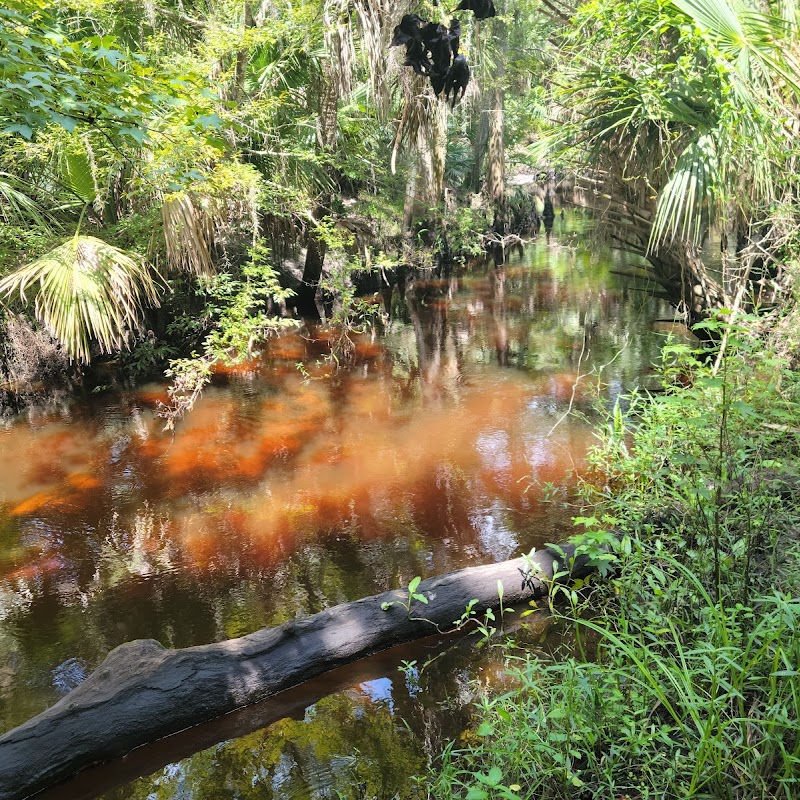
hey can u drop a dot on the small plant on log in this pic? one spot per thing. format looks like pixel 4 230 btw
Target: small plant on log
pixel 413 595
pixel 483 626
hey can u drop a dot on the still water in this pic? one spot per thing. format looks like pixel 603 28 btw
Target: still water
pixel 446 443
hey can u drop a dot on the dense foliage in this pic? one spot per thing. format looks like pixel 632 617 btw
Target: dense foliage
pixel 180 180
pixel 691 690
pixel 182 136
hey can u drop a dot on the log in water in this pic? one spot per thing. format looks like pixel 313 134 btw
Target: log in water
pixel 143 691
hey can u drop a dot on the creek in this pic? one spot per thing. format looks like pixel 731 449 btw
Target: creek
pixel 446 443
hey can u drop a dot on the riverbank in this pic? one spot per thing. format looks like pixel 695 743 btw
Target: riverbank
pixel 692 691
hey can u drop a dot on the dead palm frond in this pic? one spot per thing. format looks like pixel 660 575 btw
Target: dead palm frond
pixel 86 291
pixel 189 233
pixel 375 18
pixel 339 45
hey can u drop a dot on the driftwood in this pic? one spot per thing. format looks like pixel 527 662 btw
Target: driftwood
pixel 143 692
pixel 291 703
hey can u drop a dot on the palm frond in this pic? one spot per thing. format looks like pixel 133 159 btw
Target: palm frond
pixel 751 40
pixel 189 233
pixel 86 290
pixel 789 13
pixel 77 175
pixel 375 17
pixel 686 203
pixel 17 206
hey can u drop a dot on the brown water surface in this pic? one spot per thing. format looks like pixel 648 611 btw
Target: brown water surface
pixel 284 493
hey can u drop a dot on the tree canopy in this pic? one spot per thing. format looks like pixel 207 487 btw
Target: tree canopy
pixel 188 134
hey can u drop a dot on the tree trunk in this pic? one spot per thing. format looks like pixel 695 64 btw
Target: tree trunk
pixel 142 691
pixel 480 139
pixel 428 181
pixel 439 137
pixel 496 164
pixel 243 55
pixel 480 133
pixel 307 303
pixel 680 268
pixel 496 171
pixel 410 204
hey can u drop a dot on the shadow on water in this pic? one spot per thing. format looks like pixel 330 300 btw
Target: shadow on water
pixel 449 442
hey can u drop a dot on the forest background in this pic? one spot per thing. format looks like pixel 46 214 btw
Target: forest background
pixel 180 180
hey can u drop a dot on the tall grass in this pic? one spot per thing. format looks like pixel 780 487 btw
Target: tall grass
pixel 693 691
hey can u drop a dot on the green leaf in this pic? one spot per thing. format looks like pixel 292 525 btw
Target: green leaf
pixel 23 130
pixel 77 175
pixel 67 123
pixel 112 56
pixel 137 134
pixel 476 793
pixel 745 409
pixel 412 586
pixel 485 729
pixel 492 778
pixel 206 121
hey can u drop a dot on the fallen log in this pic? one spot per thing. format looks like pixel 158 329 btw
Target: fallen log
pixel 143 691
pixel 291 703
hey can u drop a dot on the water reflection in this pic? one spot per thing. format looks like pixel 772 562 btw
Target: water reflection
pixel 281 495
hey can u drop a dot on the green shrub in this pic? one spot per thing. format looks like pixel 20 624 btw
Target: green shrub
pixel 692 690
pixel 665 711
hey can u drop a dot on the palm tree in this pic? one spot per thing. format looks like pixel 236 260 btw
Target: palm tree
pixel 686 113
pixel 87 291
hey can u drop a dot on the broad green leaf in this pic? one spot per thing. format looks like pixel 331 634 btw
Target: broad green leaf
pixel 137 134
pixel 24 130
pixel 492 778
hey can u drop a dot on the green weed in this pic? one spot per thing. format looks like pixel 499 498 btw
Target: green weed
pixel 692 690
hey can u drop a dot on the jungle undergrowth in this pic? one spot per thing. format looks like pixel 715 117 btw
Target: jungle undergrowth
pixel 692 690
pixel 242 312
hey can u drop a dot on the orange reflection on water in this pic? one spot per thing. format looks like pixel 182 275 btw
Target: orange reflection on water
pixel 214 447
pixel 353 456
pixel 75 495
pixel 36 568
pixel 83 481
pixel 34 503
pixel 46 468
pixel 249 477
